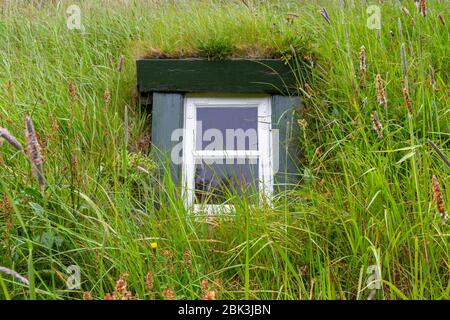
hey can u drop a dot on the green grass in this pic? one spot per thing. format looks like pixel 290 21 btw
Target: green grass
pixel 362 200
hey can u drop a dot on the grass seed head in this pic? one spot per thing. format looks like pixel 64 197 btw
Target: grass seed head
pixel 149 283
pixel 121 63
pixel 432 76
pixel 309 90
pixel 407 99
pixel 362 59
pixel 8 137
pixel 377 126
pixel 107 96
pixel 187 258
pixel 406 11
pixel 404 64
pixel 440 153
pixel 362 65
pixel 14 274
pixel 6 209
pixel 438 198
pixel 441 18
pixel 423 7
pixel 324 14
pixel 381 95
pixel 72 91
pixel 34 152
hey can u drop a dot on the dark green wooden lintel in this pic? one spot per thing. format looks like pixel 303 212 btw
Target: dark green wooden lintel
pixel 228 76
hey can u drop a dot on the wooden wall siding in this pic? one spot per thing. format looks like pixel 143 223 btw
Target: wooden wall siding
pixel 167 115
pixel 230 76
pixel 283 119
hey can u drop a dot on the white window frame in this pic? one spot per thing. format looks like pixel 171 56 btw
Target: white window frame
pixel 190 154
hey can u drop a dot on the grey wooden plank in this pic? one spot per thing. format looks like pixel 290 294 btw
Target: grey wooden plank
pixel 167 116
pixel 283 119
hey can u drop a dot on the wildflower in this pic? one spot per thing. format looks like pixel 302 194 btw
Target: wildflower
pixel 121 64
pixel 87 295
pixel 108 297
pixel 149 284
pixel 377 125
pixel 154 245
pixel 205 284
pixel 8 137
pixel 34 152
pixel 439 199
pixel 381 95
pixel 407 100
pixel 324 14
pixel 168 294
pixel 121 289
pixel 209 295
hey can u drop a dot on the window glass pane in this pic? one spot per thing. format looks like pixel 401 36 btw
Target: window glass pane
pixel 227 128
pixel 216 179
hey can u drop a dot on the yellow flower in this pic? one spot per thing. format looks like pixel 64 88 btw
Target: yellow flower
pixel 154 245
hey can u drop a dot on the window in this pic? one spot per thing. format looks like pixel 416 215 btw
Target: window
pixel 226 149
